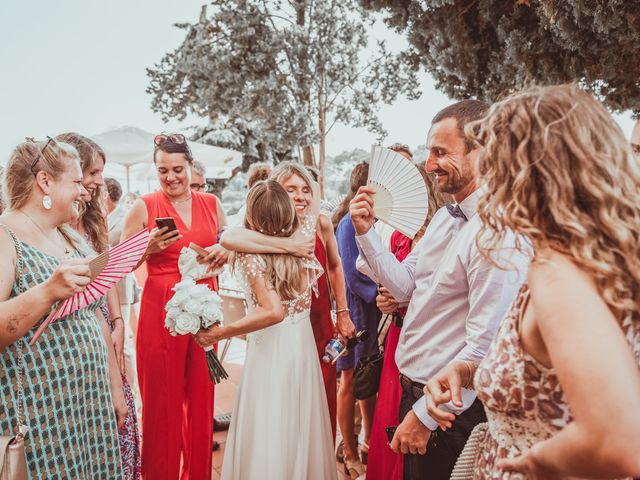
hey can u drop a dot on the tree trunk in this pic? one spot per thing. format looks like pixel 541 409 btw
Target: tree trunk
pixel 308 156
pixel 322 126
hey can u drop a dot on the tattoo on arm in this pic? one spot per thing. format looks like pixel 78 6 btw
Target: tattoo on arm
pixel 13 322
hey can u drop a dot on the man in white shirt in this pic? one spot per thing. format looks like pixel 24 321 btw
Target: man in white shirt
pixel 456 298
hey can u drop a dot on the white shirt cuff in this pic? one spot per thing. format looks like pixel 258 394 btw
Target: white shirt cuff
pixel 370 244
pixel 420 408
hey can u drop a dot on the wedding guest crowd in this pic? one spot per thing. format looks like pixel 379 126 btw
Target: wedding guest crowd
pixel 507 328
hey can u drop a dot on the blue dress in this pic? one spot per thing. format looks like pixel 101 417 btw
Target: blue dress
pixel 361 296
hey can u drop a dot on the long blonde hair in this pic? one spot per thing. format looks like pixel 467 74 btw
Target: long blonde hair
pixel 270 211
pixel 559 172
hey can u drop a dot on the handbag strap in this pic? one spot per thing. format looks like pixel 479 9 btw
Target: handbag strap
pixel 385 320
pixel 21 289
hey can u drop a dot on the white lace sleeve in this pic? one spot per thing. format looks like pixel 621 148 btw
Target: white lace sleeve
pixel 249 266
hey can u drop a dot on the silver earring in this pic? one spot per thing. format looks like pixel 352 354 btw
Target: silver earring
pixel 46 202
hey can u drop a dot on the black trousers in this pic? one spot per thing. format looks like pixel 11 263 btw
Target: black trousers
pixel 443 448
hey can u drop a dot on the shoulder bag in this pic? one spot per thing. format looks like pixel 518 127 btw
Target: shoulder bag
pixel 13 463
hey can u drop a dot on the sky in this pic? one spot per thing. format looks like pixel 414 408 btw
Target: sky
pixel 79 65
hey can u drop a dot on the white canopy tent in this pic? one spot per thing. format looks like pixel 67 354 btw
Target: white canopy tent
pixel 132 148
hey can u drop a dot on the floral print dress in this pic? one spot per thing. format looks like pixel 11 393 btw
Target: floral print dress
pixel 523 399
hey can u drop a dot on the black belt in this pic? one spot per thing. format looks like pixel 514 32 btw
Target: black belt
pixel 414 389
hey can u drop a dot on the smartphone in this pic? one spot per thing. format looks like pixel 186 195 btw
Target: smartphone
pixel 166 222
pixel 391 431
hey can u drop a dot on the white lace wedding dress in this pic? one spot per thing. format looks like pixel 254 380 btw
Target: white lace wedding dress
pixel 280 428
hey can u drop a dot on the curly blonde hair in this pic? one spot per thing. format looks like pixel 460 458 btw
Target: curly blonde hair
pixel 559 172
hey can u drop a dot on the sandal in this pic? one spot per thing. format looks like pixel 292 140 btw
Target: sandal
pixel 340 450
pixel 221 422
pixel 354 469
pixel 364 452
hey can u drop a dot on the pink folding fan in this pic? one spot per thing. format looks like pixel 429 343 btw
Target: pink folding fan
pixel 106 270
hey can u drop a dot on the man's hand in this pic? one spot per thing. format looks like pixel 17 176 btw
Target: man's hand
pixel 446 386
pixel 411 436
pixel 361 210
pixel 385 302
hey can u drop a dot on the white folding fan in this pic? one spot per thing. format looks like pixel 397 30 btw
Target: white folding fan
pixel 401 199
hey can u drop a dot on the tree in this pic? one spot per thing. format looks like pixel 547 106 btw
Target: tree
pixel 274 76
pixel 487 48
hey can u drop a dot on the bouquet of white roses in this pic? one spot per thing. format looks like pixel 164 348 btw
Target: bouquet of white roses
pixel 194 307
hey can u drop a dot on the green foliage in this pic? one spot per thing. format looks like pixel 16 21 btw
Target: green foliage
pixel 272 76
pixel 489 48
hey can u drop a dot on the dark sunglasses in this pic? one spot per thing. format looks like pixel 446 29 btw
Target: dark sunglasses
pixel 176 138
pixel 40 152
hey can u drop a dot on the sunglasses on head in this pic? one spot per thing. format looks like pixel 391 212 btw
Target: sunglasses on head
pixel 40 152
pixel 176 138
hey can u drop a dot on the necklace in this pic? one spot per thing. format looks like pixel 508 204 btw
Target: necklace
pixel 181 201
pixel 64 247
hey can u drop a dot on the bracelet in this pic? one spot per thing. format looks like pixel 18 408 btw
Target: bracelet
pixel 115 318
pixel 340 310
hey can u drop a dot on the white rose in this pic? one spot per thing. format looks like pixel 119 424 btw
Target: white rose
pixel 200 291
pixel 184 284
pixel 194 306
pixel 211 312
pixel 186 323
pixel 179 298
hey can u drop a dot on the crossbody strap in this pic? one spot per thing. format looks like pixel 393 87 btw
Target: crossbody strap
pixel 21 289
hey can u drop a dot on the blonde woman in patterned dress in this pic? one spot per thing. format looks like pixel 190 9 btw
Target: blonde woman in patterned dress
pixel 67 398
pixel 561 383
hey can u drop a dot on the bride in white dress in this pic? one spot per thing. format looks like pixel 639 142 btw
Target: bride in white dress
pixel 280 427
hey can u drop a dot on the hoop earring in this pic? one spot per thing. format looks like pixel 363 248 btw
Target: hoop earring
pixel 46 202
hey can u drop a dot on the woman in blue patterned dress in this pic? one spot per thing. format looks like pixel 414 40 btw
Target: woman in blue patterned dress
pixel 67 401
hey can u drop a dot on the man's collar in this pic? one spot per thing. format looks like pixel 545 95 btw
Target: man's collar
pixel 469 205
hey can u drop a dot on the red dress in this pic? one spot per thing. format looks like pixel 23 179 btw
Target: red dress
pixel 177 394
pixel 323 331
pixel 383 463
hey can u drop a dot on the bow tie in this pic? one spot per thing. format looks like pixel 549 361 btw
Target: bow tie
pixel 456 212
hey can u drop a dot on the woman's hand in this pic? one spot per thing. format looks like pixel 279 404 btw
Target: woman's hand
pixel 300 244
pixel 117 336
pixel 530 468
pixel 216 258
pixel 160 238
pixel 385 302
pixel 119 403
pixel 345 326
pixel 207 337
pixel 446 386
pixel 71 277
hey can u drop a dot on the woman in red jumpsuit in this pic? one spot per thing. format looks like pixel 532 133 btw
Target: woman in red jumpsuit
pixel 177 394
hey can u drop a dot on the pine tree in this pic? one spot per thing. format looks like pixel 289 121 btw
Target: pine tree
pixel 489 48
pixel 272 77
